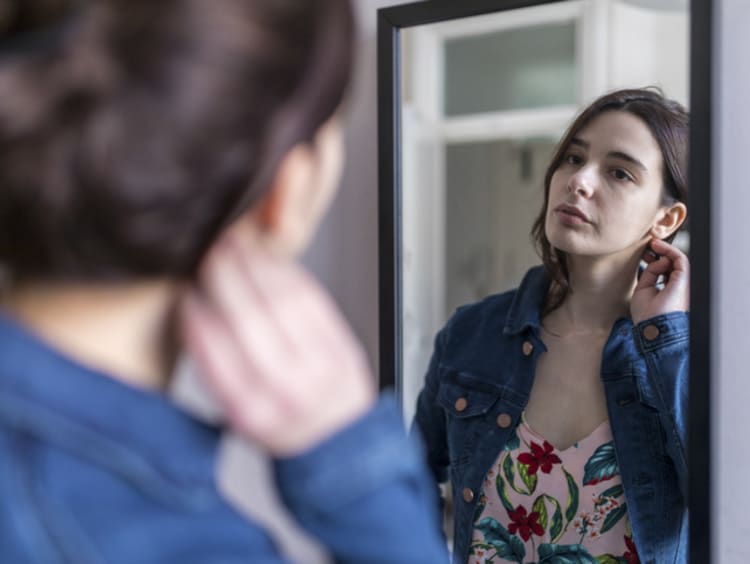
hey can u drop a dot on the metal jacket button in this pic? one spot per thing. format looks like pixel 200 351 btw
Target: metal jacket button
pixel 650 332
pixel 504 420
pixel 461 404
pixel 468 495
pixel 528 348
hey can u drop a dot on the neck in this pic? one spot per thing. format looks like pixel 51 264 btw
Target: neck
pixel 124 330
pixel 599 294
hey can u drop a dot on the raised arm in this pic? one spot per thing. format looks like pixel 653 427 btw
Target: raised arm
pixel 292 378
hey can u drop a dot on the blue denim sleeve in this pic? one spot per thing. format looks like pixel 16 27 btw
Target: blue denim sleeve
pixel 23 537
pixel 365 493
pixel 429 420
pixel 430 426
pixel 666 350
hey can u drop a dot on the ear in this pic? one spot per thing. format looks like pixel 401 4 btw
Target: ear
pixel 278 214
pixel 300 192
pixel 668 220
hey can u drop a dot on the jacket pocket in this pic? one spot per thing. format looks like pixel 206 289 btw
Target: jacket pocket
pixel 463 394
pixel 469 402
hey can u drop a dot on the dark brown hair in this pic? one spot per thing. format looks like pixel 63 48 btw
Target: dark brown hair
pixel 668 122
pixel 133 131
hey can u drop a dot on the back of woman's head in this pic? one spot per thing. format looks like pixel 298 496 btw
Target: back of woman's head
pixel 133 131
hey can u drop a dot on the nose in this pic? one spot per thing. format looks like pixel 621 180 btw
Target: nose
pixel 583 182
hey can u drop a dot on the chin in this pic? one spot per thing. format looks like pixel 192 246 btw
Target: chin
pixel 562 239
pixel 572 246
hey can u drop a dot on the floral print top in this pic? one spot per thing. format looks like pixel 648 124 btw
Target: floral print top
pixel 541 504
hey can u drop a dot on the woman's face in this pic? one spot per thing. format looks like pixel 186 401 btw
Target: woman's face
pixel 605 197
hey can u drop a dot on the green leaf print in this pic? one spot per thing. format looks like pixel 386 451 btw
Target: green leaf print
pixel 602 465
pixel 510 474
pixel 564 554
pixel 502 492
pixel 541 508
pixel 572 506
pixel 609 559
pixel 613 517
pixel 556 523
pixel 556 527
pixel 523 471
pixel 513 442
pixel 478 510
pixel 529 481
pixel 614 491
pixel 508 470
pixel 507 546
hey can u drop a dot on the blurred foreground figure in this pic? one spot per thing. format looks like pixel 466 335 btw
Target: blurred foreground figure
pixel 162 163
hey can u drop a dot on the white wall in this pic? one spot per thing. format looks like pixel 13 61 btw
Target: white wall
pixel 646 44
pixel 731 284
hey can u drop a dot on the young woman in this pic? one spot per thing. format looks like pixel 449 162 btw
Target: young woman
pixel 559 408
pixel 161 165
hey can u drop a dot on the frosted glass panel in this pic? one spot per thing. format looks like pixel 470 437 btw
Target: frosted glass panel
pixel 512 69
pixel 494 193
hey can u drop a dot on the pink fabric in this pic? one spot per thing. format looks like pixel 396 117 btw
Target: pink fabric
pixel 538 500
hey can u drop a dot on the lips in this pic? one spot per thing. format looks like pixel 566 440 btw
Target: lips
pixel 572 211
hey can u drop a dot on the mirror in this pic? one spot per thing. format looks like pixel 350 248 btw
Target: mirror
pixel 484 101
pixel 473 101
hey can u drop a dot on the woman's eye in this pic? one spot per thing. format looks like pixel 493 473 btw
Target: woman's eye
pixel 621 174
pixel 573 159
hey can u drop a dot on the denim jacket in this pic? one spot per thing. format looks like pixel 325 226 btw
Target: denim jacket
pixel 487 353
pixel 94 471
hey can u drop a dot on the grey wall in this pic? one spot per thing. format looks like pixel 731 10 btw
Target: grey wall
pixel 344 254
pixel 731 283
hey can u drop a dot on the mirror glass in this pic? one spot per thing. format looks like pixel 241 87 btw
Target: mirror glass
pixel 484 100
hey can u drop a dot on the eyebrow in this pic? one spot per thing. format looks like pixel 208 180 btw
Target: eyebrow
pixel 616 154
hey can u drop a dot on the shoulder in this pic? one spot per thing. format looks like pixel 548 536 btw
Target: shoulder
pixel 489 312
pixel 475 334
pixel 71 508
pixel 506 310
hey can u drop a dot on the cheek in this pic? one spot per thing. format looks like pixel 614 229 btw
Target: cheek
pixel 557 182
pixel 629 216
pixel 556 189
pixel 553 193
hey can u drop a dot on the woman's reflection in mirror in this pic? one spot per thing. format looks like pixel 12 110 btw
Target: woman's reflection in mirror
pixel 558 409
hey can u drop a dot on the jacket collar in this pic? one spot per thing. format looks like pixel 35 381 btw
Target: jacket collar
pixel 527 302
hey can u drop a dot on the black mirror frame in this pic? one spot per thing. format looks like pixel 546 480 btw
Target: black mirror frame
pixel 390 22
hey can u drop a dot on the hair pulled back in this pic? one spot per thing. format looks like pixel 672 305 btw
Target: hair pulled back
pixel 133 131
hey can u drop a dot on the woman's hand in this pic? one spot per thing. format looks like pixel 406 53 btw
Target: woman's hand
pixel 274 349
pixel 648 301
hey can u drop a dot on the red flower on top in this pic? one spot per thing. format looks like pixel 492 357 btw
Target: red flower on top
pixel 539 457
pixel 524 525
pixel 631 556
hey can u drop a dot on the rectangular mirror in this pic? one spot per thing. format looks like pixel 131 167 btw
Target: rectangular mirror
pixel 473 101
